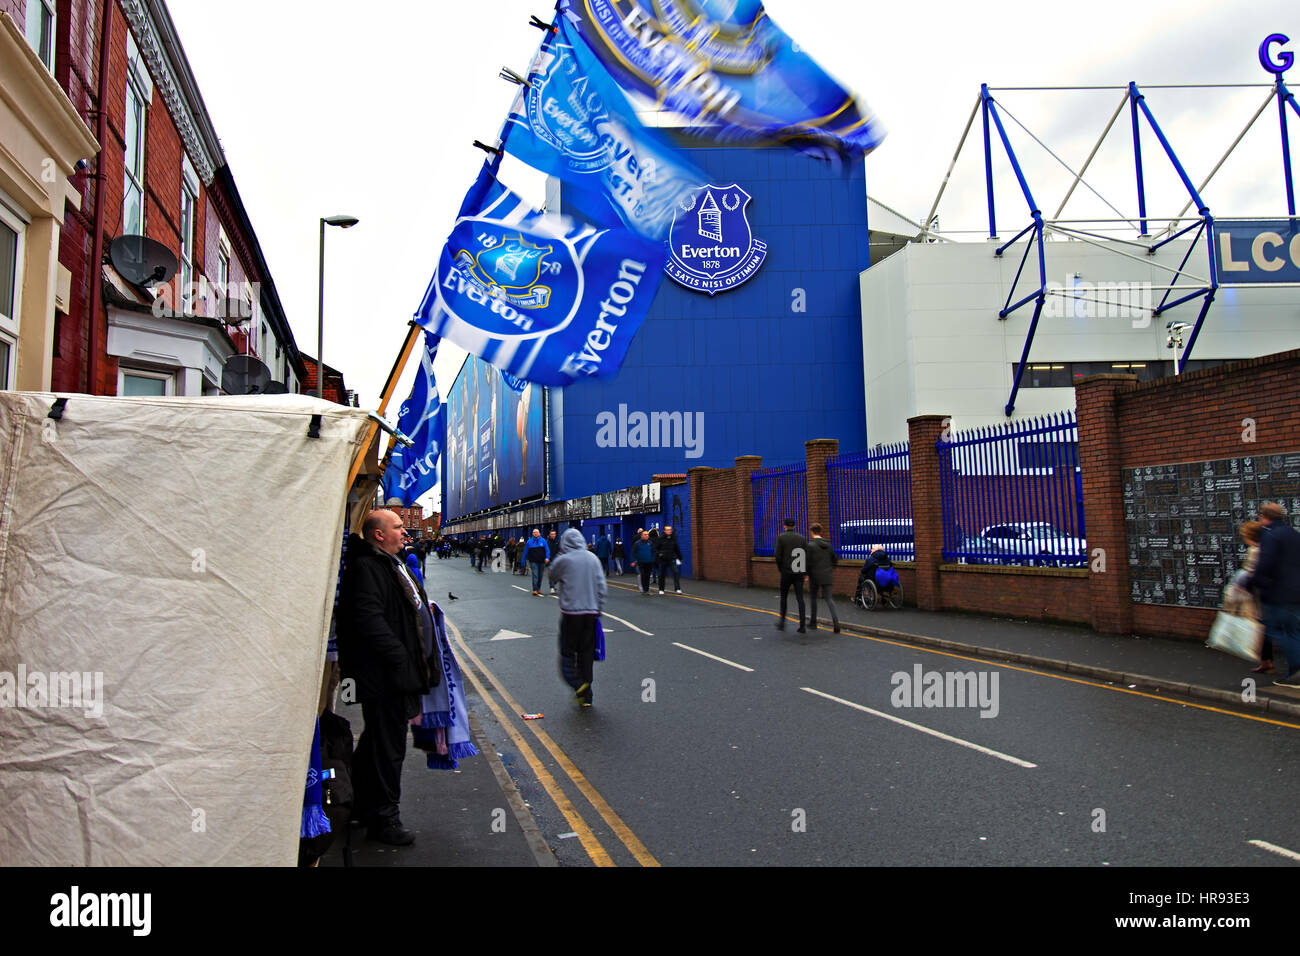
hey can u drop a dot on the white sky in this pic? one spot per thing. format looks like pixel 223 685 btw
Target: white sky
pixel 324 108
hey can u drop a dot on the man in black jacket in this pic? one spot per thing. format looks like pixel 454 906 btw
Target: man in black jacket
pixel 385 636
pixel 821 575
pixel 1277 576
pixel 668 555
pixel 792 562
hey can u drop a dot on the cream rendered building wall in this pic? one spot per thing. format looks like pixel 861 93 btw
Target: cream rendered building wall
pixel 933 344
pixel 41 138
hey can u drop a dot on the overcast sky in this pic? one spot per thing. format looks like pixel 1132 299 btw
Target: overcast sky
pixel 323 108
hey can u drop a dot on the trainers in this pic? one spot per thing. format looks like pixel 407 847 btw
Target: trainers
pixel 661 592
pixel 679 590
pixel 780 625
pixel 804 630
pixel 581 693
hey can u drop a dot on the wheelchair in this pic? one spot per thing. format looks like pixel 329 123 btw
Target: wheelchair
pixel 870 595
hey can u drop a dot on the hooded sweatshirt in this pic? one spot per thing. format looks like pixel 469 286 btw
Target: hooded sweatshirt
pixel 577 576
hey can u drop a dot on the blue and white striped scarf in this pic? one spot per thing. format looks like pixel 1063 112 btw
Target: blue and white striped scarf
pixel 443 710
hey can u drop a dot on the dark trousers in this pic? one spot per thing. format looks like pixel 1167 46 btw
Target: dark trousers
pixel 789 581
pixel 665 567
pixel 644 569
pixel 377 762
pixel 814 589
pixel 604 566
pixel 1282 631
pixel 577 650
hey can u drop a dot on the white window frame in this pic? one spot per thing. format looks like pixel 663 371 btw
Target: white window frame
pixel 140 88
pixel 35 35
pixel 10 325
pixel 168 378
pixel 190 201
pixel 223 275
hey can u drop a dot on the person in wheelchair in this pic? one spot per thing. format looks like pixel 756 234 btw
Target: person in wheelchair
pixel 878 578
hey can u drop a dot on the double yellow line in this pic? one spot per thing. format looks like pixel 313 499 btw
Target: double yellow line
pixel 599 855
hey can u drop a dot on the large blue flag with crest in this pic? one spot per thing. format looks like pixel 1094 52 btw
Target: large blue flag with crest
pixel 413 471
pixel 612 164
pixel 535 295
pixel 721 69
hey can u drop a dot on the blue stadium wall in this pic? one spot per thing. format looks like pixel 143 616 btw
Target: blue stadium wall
pixel 767 378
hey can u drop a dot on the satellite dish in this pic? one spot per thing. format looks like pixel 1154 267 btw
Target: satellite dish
pixel 275 388
pixel 141 260
pixel 245 375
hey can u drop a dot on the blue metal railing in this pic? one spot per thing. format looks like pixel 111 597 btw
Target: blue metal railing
pixel 779 493
pixel 1013 494
pixel 870 498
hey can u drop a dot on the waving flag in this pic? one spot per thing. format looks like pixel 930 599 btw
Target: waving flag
pixel 559 124
pixel 719 68
pixel 536 296
pixel 413 471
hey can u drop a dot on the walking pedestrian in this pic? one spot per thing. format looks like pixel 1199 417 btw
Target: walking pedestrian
pixel 538 554
pixel 821 575
pixel 553 547
pixel 654 565
pixel 603 549
pixel 643 556
pixel 576 575
pixel 792 562
pixel 618 557
pixel 669 558
pixel 1276 579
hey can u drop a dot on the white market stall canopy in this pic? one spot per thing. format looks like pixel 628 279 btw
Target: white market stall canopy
pixel 167 571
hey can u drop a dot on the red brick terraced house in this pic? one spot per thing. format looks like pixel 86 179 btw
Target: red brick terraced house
pixel 130 108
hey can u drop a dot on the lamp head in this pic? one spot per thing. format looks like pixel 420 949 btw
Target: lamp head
pixel 343 222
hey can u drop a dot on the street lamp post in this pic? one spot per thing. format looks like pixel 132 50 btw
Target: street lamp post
pixel 343 222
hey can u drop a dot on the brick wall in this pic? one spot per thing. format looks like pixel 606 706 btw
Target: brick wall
pixel 1246 408
pixel 1202 416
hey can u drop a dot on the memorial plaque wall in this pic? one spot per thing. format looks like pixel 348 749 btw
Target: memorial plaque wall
pixel 1182 522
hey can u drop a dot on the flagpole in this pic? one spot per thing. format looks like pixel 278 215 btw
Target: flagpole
pixel 390 385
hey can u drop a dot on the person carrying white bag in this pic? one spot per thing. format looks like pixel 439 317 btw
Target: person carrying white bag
pixel 1237 628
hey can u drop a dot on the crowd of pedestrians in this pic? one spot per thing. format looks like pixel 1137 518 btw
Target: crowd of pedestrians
pixel 654 557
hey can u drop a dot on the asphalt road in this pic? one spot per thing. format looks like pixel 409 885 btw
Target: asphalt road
pixel 789 749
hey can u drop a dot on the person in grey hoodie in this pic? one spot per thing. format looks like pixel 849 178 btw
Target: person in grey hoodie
pixel 577 576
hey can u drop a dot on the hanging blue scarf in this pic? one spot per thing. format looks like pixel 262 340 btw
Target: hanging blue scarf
pixel 600 641
pixel 444 722
pixel 314 821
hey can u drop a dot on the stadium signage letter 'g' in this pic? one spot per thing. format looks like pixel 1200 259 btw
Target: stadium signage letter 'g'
pixel 1285 57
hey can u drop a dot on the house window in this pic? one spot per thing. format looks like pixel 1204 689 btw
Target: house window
pixel 10 288
pixel 189 211
pixel 138 382
pixel 139 91
pixel 40 30
pixel 224 308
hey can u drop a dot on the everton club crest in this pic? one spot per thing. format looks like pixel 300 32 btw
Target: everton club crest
pixel 710 246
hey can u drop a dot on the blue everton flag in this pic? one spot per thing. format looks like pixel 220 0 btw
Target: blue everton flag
pixel 559 124
pixel 413 471
pixel 721 69
pixel 535 295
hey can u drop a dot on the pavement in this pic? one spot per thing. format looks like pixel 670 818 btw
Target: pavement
pixel 475 816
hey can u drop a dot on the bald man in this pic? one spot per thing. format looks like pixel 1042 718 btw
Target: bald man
pixel 384 627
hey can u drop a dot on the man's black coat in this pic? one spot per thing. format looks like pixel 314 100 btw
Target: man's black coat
pixel 380 644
